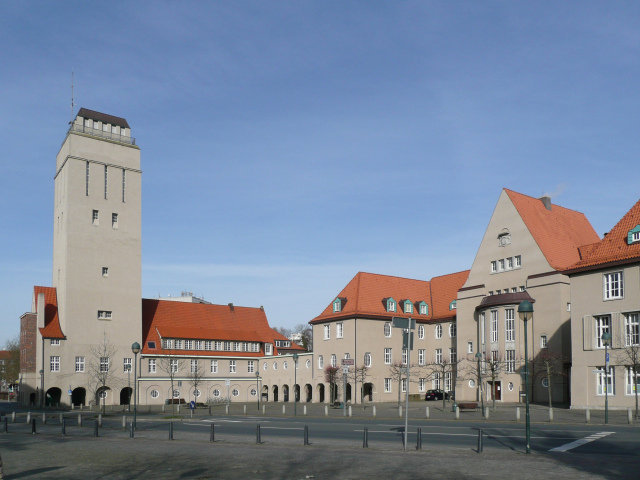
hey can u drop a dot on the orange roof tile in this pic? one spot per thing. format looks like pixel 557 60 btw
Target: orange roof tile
pixel 613 247
pixel 558 232
pixel 51 321
pixel 164 318
pixel 365 295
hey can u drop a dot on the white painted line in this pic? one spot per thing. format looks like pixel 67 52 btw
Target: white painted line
pixel 582 441
pixel 474 435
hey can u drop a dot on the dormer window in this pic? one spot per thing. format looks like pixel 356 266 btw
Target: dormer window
pixel 337 305
pixel 423 308
pixel 391 305
pixel 408 306
pixel 634 235
pixel 452 305
pixel 267 349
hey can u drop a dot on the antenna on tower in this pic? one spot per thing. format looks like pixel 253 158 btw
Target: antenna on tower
pixel 72 104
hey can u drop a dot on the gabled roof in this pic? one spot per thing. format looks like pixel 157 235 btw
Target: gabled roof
pixel 102 117
pixel 558 232
pixel 365 295
pixel 613 248
pixel 200 321
pixel 51 321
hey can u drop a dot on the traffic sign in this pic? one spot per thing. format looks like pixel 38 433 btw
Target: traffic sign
pixel 345 369
pixel 70 392
pixel 192 405
pixel 404 340
pixel 348 361
pixel 399 322
pixel 227 382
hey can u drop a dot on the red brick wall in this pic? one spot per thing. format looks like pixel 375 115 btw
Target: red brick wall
pixel 28 338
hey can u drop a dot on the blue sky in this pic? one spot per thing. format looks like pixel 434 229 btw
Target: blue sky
pixel 288 145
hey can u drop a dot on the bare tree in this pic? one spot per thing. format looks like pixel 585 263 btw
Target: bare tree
pixel 170 366
pixel 197 376
pixel 359 375
pixel 439 369
pixel 331 376
pixel 493 364
pixel 10 370
pixel 629 357
pixel 283 331
pixel 306 332
pixel 549 364
pixel 100 370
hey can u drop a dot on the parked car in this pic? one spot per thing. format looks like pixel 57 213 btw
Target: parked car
pixel 436 395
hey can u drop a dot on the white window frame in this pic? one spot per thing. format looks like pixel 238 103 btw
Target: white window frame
pixel 613 285
pixel 501 265
pixel 494 266
pixel 327 332
pixel 114 220
pixel 268 349
pixel 339 330
pixel 194 365
pixel 509 325
pixel 232 366
pixel 405 356
pixel 391 305
pixel 104 365
pixel 408 307
pixel 387 385
pixel 421 356
pixel 334 360
pixel 54 363
pixel 424 309
pixel 54 342
pixel 387 356
pixel 543 340
pixel 435 383
pixel 517 261
pixel 494 326
pixel 422 384
pixel 470 347
pixel 603 324
pixel 629 386
pixel 174 365
pixel 152 365
pixel 251 366
pixel 367 359
pixel 403 385
pixel 600 376
pixel 320 362
pixel 420 332
pixel 387 330
pixel 127 365
pixel 510 361
pixel 453 331
pixel 214 366
pixel 79 364
pixel 453 355
pixel 509 263
pixel 438 331
pixel 438 356
pixel 632 329
pixel 448 384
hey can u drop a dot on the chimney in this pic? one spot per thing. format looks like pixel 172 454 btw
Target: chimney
pixel 262 307
pixel 231 307
pixel 546 201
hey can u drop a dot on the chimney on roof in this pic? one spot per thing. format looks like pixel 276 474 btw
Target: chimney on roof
pixel 231 307
pixel 262 307
pixel 546 201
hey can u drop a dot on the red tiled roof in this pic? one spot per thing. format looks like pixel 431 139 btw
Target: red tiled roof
pixel 165 318
pixel 365 295
pixel 51 321
pixel 613 247
pixel 558 232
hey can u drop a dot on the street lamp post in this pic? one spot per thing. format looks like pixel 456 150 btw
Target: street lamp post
pixel 258 387
pixel 295 382
pixel 606 341
pixel 525 310
pixel 479 357
pixel 41 396
pixel 135 348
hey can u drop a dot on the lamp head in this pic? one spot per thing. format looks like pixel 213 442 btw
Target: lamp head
pixel 135 348
pixel 606 339
pixel 478 355
pixel 295 357
pixel 525 310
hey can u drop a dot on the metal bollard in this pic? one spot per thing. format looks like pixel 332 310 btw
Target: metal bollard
pixel 33 425
pixel 284 409
pixel 61 417
pixel 457 413
pixel 191 413
pixel 304 409
pixel 13 417
pixel 629 416
pixel 95 428
pixel 163 407
pixel 551 415
pixel 486 413
pixel 28 417
pixel 427 412
pixel 44 418
pixel 124 422
pixel 419 441
pixel 100 419
pixel 245 409
pixel 226 409
pixel 517 414
pixel 326 411
pixel 64 426
pixel 258 439
pixel 79 419
pixel 374 411
pixel 400 412
pixel 264 409
pixel 480 441
pixel 131 430
pixel 365 438
pixel 306 435
pixel 178 408
pixel 170 430
pixel 588 414
pixel 209 409
pixel 350 412
pixel 72 406
pixel 212 437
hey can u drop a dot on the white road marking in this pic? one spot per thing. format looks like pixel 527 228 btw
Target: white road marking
pixel 582 441
pixel 474 435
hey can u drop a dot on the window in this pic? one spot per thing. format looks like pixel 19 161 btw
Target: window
pixel 54 364
pixel 404 385
pixel 447 382
pixel 227 347
pixel 501 264
pixel 453 305
pixel 337 305
pixel 518 261
pixel 522 288
pixel 408 306
pixel 236 346
pixel 104 315
pixel 367 359
pixel 387 385
pixel 155 394
pixel 188 344
pixel 510 361
pixel 105 271
pixel 54 342
pixel 545 382
pixel 114 220
pixel 96 218
pixel 603 324
pixel 104 364
pixel 173 365
pixel 152 365
pixel 568 306
pixel 435 383
pixel 126 365
pixel 543 341
pixel 438 331
pixel 198 345
pixel 194 366
pixel 334 360
pixel 250 366
pixel 320 362
pixel 265 366
pixel 103 394
pixel 469 347
pixel 405 355
pixel 613 285
pixel 285 365
pixel 387 356
pixel 275 365
pixel 514 289
pixel 232 366
pixel 387 330
pixel 167 343
pixel 338 330
pixel 494 326
pixel 86 187
pixel 347 355
pixel 482 328
pixel 79 364
pixel 421 332
pixel 421 359
pixel 216 393
pixel 494 266
pixel 217 345
pixel 391 305
pixel 196 393
pixel 630 384
pixel 105 178
pixel 424 309
pixel 422 384
pixel 509 325
pixel 176 393
pixel 600 381
pixel 124 183
pixel 308 363
pixel 438 355
pixel 453 355
pixel 510 262
pixel 452 330
pixel 635 236
pixel 214 366
pixel 327 332
pixel 267 348
pixel 631 330
pixel 253 392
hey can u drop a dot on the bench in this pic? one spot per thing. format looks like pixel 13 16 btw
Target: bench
pixel 468 406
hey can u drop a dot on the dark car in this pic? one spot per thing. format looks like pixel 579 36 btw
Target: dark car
pixel 436 395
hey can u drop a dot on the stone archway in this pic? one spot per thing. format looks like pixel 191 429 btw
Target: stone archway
pixel 102 395
pixel 349 399
pixel 308 389
pixel 265 393
pixel 125 396
pixel 78 396
pixel 285 393
pixel 52 398
pixel 320 388
pixel 367 392
pixel 275 393
pixel 296 393
pixel 32 399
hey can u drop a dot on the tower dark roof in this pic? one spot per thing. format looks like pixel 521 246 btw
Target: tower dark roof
pixel 103 117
